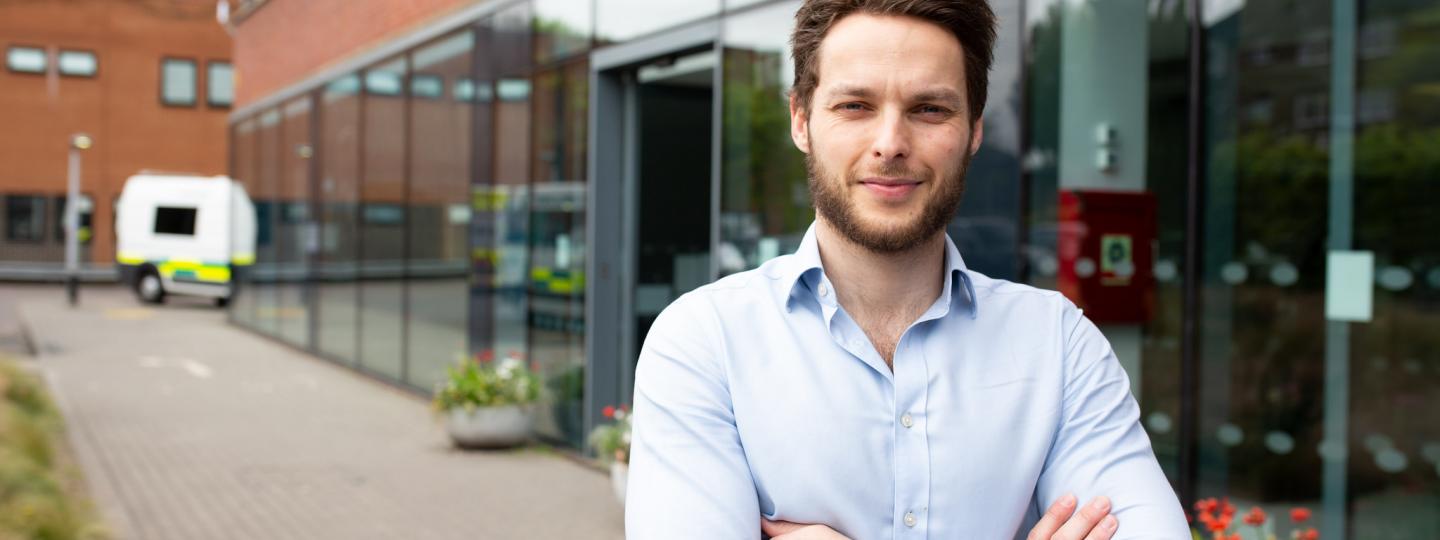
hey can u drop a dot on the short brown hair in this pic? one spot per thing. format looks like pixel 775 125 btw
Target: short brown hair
pixel 971 21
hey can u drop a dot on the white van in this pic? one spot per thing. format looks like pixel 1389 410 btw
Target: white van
pixel 183 234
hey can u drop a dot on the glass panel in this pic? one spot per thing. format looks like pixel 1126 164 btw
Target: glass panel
pixel 382 222
pixel 674 105
pixel 219 84
pixel 243 170
pixel 177 82
pixel 557 233
pixel 1262 371
pixel 77 63
pixel 1394 463
pixel 562 28
pixel 620 20
pixel 501 201
pixel 439 214
pixel 25 59
pixel 1107 180
pixel 337 294
pixel 765 201
pixel 267 201
pixel 294 229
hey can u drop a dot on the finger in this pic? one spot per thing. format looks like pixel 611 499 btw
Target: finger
pixel 777 528
pixel 1083 521
pixel 1105 529
pixel 1053 518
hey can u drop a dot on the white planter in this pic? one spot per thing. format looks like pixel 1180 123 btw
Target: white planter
pixel 619 475
pixel 489 427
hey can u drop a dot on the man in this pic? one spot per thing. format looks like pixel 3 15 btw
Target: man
pixel 869 385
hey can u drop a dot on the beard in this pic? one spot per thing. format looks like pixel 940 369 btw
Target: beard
pixel 834 202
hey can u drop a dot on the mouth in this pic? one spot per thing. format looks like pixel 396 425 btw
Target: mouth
pixel 890 188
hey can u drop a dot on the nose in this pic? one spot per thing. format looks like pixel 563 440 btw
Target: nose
pixel 892 137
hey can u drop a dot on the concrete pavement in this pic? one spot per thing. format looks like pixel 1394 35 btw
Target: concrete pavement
pixel 190 428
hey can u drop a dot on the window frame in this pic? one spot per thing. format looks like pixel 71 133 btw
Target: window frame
pixel 209 95
pixel 45 52
pixel 42 208
pixel 194 82
pixel 93 55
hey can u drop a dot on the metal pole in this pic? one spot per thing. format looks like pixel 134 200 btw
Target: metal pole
pixel 72 229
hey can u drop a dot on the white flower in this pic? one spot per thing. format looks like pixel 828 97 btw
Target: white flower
pixel 508 367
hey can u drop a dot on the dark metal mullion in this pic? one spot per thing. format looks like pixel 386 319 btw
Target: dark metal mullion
pixel 1190 302
pixel 1026 178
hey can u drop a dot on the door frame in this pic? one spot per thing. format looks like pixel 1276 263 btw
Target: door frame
pixel 610 222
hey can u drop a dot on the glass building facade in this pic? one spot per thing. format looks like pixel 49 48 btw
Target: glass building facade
pixel 1241 193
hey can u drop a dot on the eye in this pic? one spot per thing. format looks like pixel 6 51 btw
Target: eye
pixel 852 106
pixel 933 110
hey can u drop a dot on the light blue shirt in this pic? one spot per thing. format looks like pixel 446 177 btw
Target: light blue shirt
pixel 757 395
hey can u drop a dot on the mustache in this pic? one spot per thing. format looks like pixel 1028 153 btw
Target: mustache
pixel 895 169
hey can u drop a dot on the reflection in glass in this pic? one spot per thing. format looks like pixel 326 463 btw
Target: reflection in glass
pixel 1262 347
pixel 382 224
pixel 562 28
pixel 557 235
pixel 243 161
pixel 1395 487
pixel 765 201
pixel 293 224
pixel 620 20
pixel 439 213
pixel 267 202
pixel 1060 157
pixel 337 294
pixel 500 201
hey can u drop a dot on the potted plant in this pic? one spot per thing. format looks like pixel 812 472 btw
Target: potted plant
pixel 488 404
pixel 1217 517
pixel 566 396
pixel 612 443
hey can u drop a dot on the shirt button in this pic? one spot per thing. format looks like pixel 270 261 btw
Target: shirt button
pixel 909 519
pixel 906 420
pixel 824 290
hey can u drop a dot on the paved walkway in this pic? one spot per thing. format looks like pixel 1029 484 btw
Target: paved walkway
pixel 189 428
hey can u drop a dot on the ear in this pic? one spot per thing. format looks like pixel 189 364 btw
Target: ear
pixel 978 133
pixel 799 125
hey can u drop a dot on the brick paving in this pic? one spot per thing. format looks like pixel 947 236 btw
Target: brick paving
pixel 189 428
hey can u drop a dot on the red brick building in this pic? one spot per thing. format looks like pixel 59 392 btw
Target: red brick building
pixel 149 80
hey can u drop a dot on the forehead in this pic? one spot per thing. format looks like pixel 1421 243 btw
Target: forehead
pixel 898 51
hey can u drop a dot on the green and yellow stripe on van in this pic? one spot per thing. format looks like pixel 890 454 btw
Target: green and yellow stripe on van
pixel 189 269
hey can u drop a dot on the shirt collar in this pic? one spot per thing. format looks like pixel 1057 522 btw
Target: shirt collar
pixel 804 273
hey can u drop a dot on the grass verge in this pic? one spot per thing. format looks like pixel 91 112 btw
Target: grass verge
pixel 42 495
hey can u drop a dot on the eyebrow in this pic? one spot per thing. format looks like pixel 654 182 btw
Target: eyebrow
pixel 932 95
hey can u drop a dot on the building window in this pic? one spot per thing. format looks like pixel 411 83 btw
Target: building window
pixel 177 82
pixel 219 84
pixel 77 63
pixel 24 218
pixel 25 59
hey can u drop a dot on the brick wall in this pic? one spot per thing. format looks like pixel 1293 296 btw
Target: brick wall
pixel 284 41
pixel 119 107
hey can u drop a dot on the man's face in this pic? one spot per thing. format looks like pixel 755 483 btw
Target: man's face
pixel 887 135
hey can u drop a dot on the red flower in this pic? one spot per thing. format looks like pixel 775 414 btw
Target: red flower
pixel 1311 534
pixel 1206 506
pixel 609 411
pixel 1219 525
pixel 486 356
pixel 1235 536
pixel 625 408
pixel 1255 518
pixel 1227 509
pixel 1299 515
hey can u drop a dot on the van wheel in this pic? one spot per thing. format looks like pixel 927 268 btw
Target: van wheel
pixel 149 287
pixel 222 301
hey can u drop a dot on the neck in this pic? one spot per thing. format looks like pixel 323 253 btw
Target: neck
pixel 883 285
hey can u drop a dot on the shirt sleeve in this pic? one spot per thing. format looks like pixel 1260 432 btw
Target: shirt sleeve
pixel 1100 448
pixel 688 474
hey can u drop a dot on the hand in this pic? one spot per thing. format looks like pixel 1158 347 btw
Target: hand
pixel 785 530
pixel 1093 522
